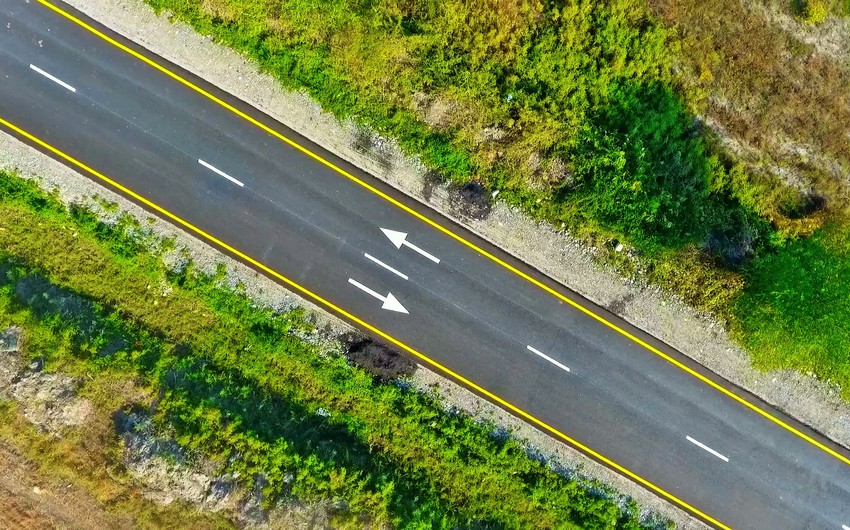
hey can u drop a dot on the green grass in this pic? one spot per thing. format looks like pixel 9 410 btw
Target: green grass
pixel 238 385
pixel 590 91
pixel 795 312
pixel 585 90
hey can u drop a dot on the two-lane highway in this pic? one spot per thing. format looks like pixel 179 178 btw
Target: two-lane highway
pixel 409 276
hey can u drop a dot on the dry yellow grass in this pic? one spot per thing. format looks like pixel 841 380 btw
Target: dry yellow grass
pixel 775 91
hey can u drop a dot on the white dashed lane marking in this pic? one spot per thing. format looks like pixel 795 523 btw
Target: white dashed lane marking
pixel 707 448
pixel 52 78
pixel 220 172
pixel 384 265
pixel 539 353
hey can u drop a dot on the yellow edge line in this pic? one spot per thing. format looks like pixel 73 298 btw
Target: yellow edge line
pixel 447 232
pixel 441 228
pixel 357 320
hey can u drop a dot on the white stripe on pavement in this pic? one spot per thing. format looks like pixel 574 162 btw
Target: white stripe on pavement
pixel 220 172
pixel 390 302
pixel 384 265
pixel 707 448
pixel 551 360
pixel 54 79
pixel 365 289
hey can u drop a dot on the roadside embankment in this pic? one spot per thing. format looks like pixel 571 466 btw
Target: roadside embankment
pixel 551 250
pixel 245 405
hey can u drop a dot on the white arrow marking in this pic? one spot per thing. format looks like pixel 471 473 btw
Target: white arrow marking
pixel 54 79
pixel 845 527
pixel 391 303
pixel 551 360
pixel 384 265
pixel 399 239
pixel 220 172
pixel 707 448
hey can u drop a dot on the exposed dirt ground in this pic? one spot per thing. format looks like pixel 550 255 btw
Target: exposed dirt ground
pixel 29 501
pixel 548 249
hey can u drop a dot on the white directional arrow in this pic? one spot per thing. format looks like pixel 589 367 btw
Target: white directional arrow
pixel 399 239
pixel 391 303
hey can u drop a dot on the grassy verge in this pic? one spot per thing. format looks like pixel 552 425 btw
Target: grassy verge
pixel 576 113
pixel 239 385
pixel 795 312
pixel 84 458
pixel 568 111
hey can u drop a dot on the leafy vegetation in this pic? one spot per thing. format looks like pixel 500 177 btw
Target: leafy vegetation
pixel 775 99
pixel 817 11
pixel 582 113
pixel 796 309
pixel 781 105
pixel 567 109
pixel 238 384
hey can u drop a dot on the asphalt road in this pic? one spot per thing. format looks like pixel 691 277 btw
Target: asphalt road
pixel 254 192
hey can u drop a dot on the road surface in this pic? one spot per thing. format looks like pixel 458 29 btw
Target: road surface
pixel 430 285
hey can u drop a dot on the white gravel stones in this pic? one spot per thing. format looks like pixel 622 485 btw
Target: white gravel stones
pixel 551 251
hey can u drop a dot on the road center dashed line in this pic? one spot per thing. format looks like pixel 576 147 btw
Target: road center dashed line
pixel 52 78
pixel 539 353
pixel 220 172
pixel 707 448
pixel 845 527
pixel 384 265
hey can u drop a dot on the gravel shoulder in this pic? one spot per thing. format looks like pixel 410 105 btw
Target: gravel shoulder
pixel 552 251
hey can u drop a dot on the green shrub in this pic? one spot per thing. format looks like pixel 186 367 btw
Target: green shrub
pixel 238 384
pixel 642 172
pixel 812 11
pixel 795 310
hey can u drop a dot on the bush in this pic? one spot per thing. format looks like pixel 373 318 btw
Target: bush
pixel 812 11
pixel 239 384
pixel 641 171
pixel 795 311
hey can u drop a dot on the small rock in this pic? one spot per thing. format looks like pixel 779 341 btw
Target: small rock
pixel 36 490
pixel 10 340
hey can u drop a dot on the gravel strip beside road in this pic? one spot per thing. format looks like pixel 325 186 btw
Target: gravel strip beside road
pixel 551 251
pixel 816 403
pixel 75 188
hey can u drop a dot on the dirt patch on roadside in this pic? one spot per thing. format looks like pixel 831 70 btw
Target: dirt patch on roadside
pixel 544 247
pixel 165 472
pixel 378 359
pixel 48 401
pixel 10 358
pixel 30 501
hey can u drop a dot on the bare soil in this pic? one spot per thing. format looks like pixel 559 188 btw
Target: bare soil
pixel 545 247
pixel 380 360
pixel 31 501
